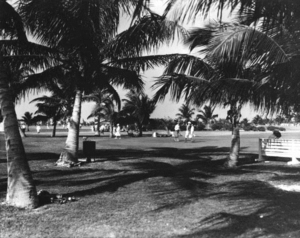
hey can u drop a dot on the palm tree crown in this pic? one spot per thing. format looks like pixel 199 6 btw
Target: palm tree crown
pixel 186 112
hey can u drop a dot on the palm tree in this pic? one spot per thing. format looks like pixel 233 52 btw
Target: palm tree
pixel 21 191
pixel 104 108
pixel 226 76
pixel 55 107
pixel 186 112
pixel 27 119
pixel 207 116
pixel 84 34
pixel 257 120
pixel 140 107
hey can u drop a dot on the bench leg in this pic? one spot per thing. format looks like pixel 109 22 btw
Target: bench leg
pixel 294 161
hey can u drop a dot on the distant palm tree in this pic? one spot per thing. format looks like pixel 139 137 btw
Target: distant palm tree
pixel 186 112
pixel 139 106
pixel 27 119
pixel 257 120
pixel 104 108
pixel 207 116
pixel 52 108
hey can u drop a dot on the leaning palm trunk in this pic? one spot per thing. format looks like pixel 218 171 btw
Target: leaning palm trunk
pixel 21 191
pixel 70 156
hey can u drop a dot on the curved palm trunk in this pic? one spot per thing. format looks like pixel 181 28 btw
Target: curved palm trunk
pixel 21 191
pixel 72 142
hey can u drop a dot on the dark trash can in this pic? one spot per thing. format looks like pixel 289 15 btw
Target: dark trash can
pixel 89 149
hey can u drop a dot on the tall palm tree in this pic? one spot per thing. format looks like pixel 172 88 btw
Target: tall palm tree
pixel 235 70
pixel 186 112
pixel 207 116
pixel 21 191
pixel 140 107
pixel 83 31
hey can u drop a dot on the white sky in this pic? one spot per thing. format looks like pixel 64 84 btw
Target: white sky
pixel 164 109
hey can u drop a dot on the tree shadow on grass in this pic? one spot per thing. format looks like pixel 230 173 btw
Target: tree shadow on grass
pixel 253 209
pixel 42 156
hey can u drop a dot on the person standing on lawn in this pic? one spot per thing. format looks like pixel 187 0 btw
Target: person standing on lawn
pixel 118 132
pixel 188 132
pixel 177 132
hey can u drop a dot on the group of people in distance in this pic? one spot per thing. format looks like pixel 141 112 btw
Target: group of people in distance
pixel 189 132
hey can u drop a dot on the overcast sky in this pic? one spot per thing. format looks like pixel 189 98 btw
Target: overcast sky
pixel 164 109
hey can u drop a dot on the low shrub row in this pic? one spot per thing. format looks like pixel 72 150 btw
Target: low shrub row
pixel 273 128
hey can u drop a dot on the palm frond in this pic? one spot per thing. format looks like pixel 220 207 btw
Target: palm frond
pixel 148 33
pixel 143 63
pixel 11 24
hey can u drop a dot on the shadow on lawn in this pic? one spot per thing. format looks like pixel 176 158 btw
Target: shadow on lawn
pixel 188 177
pixel 256 209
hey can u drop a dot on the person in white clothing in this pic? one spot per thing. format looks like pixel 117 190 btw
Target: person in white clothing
pixel 177 132
pixel 189 132
pixel 38 128
pixel 118 132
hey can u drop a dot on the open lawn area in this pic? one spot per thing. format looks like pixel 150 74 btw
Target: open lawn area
pixel 155 187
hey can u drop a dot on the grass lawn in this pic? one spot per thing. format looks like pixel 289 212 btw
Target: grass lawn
pixel 155 187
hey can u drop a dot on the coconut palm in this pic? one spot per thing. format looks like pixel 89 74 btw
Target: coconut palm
pixel 27 119
pixel 104 100
pixel 140 107
pixel 21 191
pixel 84 34
pixel 235 70
pixel 57 106
pixel 106 110
pixel 207 116
pixel 186 112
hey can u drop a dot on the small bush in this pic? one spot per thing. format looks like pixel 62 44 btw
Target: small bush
pixel 273 128
pixel 250 128
pixel 199 127
pixel 221 126
pixel 261 128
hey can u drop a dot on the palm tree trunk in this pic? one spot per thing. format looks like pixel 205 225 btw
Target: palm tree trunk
pixel 140 127
pixel 72 142
pixel 22 134
pixel 98 126
pixel 111 129
pixel 233 156
pixel 54 127
pixel 21 191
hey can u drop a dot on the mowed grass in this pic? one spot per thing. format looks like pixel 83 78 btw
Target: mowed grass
pixel 155 187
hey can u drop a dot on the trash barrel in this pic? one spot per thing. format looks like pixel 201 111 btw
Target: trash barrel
pixel 89 149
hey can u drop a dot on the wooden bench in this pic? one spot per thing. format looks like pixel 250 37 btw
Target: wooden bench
pixel 288 148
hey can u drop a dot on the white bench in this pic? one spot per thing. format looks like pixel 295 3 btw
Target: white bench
pixel 289 148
